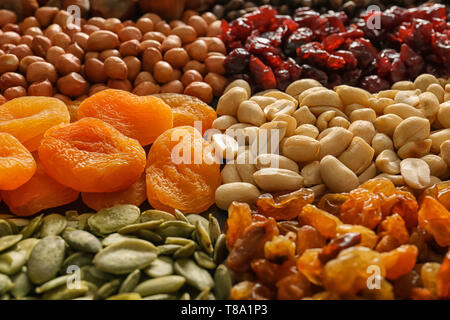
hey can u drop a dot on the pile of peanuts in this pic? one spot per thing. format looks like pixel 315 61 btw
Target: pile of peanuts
pixel 332 140
pixel 47 55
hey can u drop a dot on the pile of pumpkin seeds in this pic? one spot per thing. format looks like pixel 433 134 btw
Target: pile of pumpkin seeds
pixel 117 253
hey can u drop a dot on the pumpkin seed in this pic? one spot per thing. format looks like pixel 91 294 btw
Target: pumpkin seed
pixel 125 256
pixel 203 260
pixel 204 238
pixel 12 261
pixel 26 246
pixel 67 293
pixel 150 236
pixel 178 240
pixel 195 276
pixel 126 296
pixel 220 250
pixel 108 289
pixel 203 295
pixel 46 259
pixel 214 229
pixel 130 281
pixel 53 225
pixel 168 284
pixel 185 251
pixel 52 284
pixel 223 282
pixel 175 229
pixel 86 275
pixel 193 218
pixel 18 223
pixel 84 241
pixel 100 275
pixel 32 227
pixel 83 220
pixel 162 296
pixel 185 296
pixel 5 284
pixel 114 238
pixel 180 216
pixel 110 220
pixel 211 296
pixel 5 228
pixel 168 249
pixel 150 215
pixel 160 267
pixel 72 218
pixel 22 285
pixel 149 225
pixel 7 242
pixel 79 259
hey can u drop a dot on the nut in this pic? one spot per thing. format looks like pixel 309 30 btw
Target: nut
pixel 278 95
pixel 339 122
pixel 428 104
pixel 201 90
pixel 177 57
pixel 222 123
pixel 363 129
pixel 290 121
pixel 409 97
pixel 438 167
pixel 358 155
pixel 149 58
pixel 230 174
pixel 297 87
pixel 381 142
pixel 15 92
pixel 411 129
pixel 40 45
pixel 94 70
pixel 416 173
pixel 198 50
pixel 403 85
pixel 282 106
pixel 276 180
pixel 133 66
pixel 245 166
pixel 230 101
pixel 304 116
pixel 388 162
pixel 437 90
pixel 40 71
pixel 174 86
pixel 43 88
pixel 102 40
pixel 130 48
pixel 445 152
pixel 301 148
pixel 162 72
pixel 225 146
pixel 72 85
pixel 321 98
pixel 269 160
pixel 335 142
pixel 415 149
pixel 387 123
pixel 438 138
pixel 368 174
pixel 8 63
pixel 186 33
pixel 215 64
pixel 217 82
pixel 307 130
pixel 379 104
pixel 366 114
pixel 130 33
pixel 172 41
pixel 324 118
pixel 116 68
pixel 424 80
pixel 241 84
pixel 12 79
pixel 337 176
pixel 67 63
pixel 403 110
pixel 396 179
pixel 349 95
pixel 237 191
pixel 146 88
pixel 250 112
pixel 311 174
pixel 199 24
pixel 444 114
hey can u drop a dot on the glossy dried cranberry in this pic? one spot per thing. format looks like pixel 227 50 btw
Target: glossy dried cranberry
pixel 332 42
pixel 350 60
pixel 314 73
pixel 237 61
pixel 297 38
pixel 374 84
pixel 363 50
pixel 283 79
pixel 262 74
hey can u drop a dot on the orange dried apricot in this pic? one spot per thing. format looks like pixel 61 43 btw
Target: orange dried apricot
pixel 17 165
pixel 435 219
pixel 90 155
pixel 399 261
pixel 239 218
pixel 28 118
pixel 135 194
pixel 39 193
pixel 187 109
pixel 182 171
pixel 323 221
pixel 141 118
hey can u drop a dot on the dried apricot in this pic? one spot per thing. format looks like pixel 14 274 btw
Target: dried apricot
pixel 399 261
pixel 39 193
pixel 90 155
pixel 187 110
pixel 141 118
pixel 182 171
pixel 135 194
pixel 435 219
pixel 363 207
pixel 28 118
pixel 17 165
pixel 443 278
pixel 323 221
pixel 239 218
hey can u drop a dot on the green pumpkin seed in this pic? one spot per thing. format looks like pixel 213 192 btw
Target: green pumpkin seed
pixel 149 225
pixel 52 284
pixel 26 246
pixel 32 227
pixel 84 241
pixel 7 242
pixel 168 249
pixel 168 284
pixel 110 220
pixel 5 228
pixel 46 259
pixel 195 276
pixel 162 296
pixel 204 238
pixel 67 293
pixel 53 225
pixel 126 256
pixel 222 278
pixel 5 284
pixel 175 229
pixel 86 275
pixel 83 220
pixel 214 229
pixel 126 296
pixel 130 281
pixel 178 240
pixel 211 296
pixel 150 215
pixel 160 267
pixel 185 251
pixel 203 295
pixel 150 236
pixel 22 285
pixel 180 216
pixel 220 250
pixel 108 289
pixel 16 223
pixel 185 296
pixel 12 261
pixel 72 218
pixel 193 218
pixel 92 289
pixel 79 259
pixel 203 260
pixel 100 275
pixel 114 238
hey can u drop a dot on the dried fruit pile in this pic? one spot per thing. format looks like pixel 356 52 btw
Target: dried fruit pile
pixel 276 50
pixel 119 253
pixel 371 243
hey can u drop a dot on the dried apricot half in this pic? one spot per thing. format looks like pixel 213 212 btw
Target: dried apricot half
pixel 17 165
pixel 28 118
pixel 182 171
pixel 90 155
pixel 187 110
pixel 134 194
pixel 140 118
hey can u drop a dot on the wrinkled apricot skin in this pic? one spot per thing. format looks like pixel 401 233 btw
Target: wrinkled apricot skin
pixel 135 194
pixel 239 218
pixel 17 165
pixel 435 219
pixel 443 278
pixel 141 118
pixel 187 110
pixel 91 156
pixel 28 118
pixel 323 221
pixel 399 261
pixel 182 172
pixel 39 193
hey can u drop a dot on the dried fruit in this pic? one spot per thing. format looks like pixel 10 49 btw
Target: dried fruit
pixel 362 207
pixel 323 221
pixel 443 278
pixel 336 245
pixel 435 219
pixel 239 218
pixel 399 261
pixel 394 226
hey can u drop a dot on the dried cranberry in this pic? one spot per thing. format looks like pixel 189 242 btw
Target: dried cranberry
pixel 332 42
pixel 298 38
pixel 283 78
pixel 262 74
pixel 335 62
pixel 374 84
pixel 237 61
pixel 314 73
pixel 363 51
pixel 350 60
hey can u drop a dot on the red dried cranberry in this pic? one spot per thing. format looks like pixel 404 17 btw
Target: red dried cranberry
pixel 332 42
pixel 237 61
pixel 283 78
pixel 298 38
pixel 335 62
pixel 314 73
pixel 374 84
pixel 262 74
pixel 363 50
pixel 350 60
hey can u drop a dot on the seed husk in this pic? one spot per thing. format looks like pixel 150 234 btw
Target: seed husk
pixel 110 220
pixel 214 229
pixel 195 276
pixel 108 289
pixel 32 227
pixel 204 238
pixel 149 225
pixel 186 251
pixel 5 284
pixel 160 267
pixel 168 284
pixel 203 260
pixel 126 296
pixel 7 242
pixel 115 238
pixel 67 293
pixel 168 249
pixel 125 256
pixel 12 261
pixel 150 236
pixel 223 282
pixel 52 225
pixel 83 220
pixel 130 281
pixel 84 241
pixel 175 229
pixel 220 250
pixel 22 285
pixel 5 228
pixel 150 215
pixel 46 259
pixel 52 284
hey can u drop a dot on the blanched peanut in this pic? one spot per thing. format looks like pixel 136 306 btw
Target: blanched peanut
pixel 307 130
pixel 282 106
pixel 230 101
pixel 444 114
pixel 410 97
pixel 276 180
pixel 415 149
pixel 263 101
pixel 304 116
pixel 311 174
pixel 403 85
pixel 428 104
pixel 437 90
pixel 437 165
pixel 318 110
pixel 434 180
pixel 363 129
pixel 337 176
pixel 245 165
pixel 270 134
pixel 278 95
pixel 335 142
pixel 424 80
pixel 230 174
pixel 297 87
pixel 388 162
pixel 250 112
pixel 366 114
pixel 379 104
pixel 241 84
pixel 416 173
pixel 381 142
pixel 269 160
pixel 237 191
pixel 411 129
pixel 301 148
pixel 324 118
pixel 339 122
pixel 437 138
pixel 225 146
pixel 403 110
pixel 322 98
pixel 358 155
pixel 222 123
pixel 290 121
pixel 445 152
pixel 351 95
pixel 387 123
pixel 396 179
pixel 368 174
